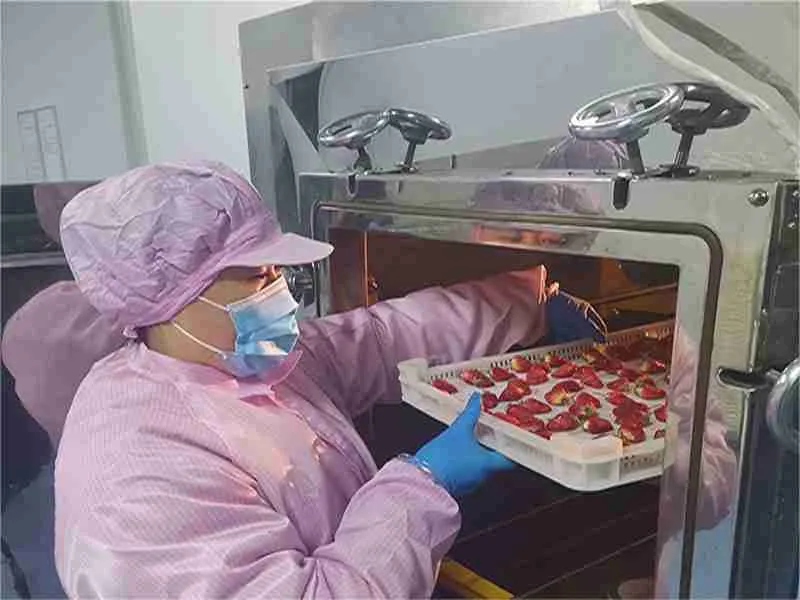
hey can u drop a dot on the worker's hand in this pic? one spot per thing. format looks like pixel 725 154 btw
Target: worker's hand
pixel 456 459
pixel 570 319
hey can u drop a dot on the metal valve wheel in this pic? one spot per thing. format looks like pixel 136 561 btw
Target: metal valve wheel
pixel 626 116
pixel 355 132
pixel 721 111
pixel 416 128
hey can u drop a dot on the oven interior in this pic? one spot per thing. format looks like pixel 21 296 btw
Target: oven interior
pixel 523 532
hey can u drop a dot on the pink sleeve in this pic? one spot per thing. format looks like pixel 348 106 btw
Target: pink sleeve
pixel 718 461
pixel 354 355
pixel 194 526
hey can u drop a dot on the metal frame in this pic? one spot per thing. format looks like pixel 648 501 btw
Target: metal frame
pixel 656 223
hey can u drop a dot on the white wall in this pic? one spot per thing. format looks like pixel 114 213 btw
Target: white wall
pixel 189 77
pixel 61 54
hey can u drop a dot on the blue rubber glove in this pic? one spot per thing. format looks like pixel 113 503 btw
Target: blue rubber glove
pixel 570 319
pixel 456 459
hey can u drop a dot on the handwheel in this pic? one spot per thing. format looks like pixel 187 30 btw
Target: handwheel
pixel 355 132
pixel 721 111
pixel 417 128
pixel 626 116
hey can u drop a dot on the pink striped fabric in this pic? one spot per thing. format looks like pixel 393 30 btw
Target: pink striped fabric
pixel 174 480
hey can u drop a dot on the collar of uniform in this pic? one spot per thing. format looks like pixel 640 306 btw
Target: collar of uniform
pixel 210 377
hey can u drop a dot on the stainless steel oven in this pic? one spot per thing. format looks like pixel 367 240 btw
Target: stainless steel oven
pixel 715 249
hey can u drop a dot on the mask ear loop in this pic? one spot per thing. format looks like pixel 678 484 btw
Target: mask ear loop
pixel 197 340
pixel 212 303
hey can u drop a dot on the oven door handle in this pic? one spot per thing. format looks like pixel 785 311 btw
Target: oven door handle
pixel 783 396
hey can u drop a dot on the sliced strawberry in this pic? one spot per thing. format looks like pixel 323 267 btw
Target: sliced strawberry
pixel 618 398
pixel 631 418
pixel 660 433
pixel 587 399
pixel 562 422
pixel 507 418
pixel 595 425
pixel 520 364
pixel 542 364
pixel 544 432
pixel 557 396
pixel 554 360
pixel 582 411
pixel 661 413
pixel 519 386
pixel 536 376
pixel 514 390
pixel 537 407
pixel 650 392
pixel 489 401
pixel 500 374
pixel 630 435
pixel 444 386
pixel 651 366
pixel 629 374
pixel 570 385
pixel 525 417
pixel 593 382
pixel 476 378
pixel 620 385
pixel 564 371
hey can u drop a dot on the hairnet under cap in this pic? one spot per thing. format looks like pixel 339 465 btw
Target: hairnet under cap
pixel 144 244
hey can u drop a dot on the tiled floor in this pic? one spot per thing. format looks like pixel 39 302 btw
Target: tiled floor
pixel 28 531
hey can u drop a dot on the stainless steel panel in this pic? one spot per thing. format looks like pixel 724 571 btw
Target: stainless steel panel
pixel 706 226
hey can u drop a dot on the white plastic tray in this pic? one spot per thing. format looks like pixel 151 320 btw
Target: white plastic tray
pixel 573 459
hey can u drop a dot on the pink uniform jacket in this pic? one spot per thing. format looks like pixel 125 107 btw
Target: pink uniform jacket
pixel 175 480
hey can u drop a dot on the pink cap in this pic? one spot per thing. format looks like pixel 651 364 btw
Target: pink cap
pixel 49 345
pixel 144 244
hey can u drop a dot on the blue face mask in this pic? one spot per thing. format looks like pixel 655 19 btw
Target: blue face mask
pixel 266 331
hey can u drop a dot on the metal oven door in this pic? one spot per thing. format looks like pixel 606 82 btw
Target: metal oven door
pixel 714 232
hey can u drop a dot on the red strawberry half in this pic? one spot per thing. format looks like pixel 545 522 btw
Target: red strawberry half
pixel 515 390
pixel 520 364
pixel 564 371
pixel 595 425
pixel 525 417
pixel 620 385
pixel 630 435
pixel 554 360
pixel 557 396
pixel 661 413
pixel 562 422
pixel 500 374
pixel 536 376
pixel 650 392
pixel 570 385
pixel 444 386
pixel 476 378
pixel 489 401
pixel 537 407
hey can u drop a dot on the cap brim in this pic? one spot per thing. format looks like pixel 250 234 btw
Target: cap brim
pixel 289 249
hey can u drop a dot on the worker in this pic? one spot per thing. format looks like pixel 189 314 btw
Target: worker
pixel 214 454
pixel 718 467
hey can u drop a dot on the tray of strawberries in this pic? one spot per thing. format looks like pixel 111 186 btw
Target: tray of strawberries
pixel 589 416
